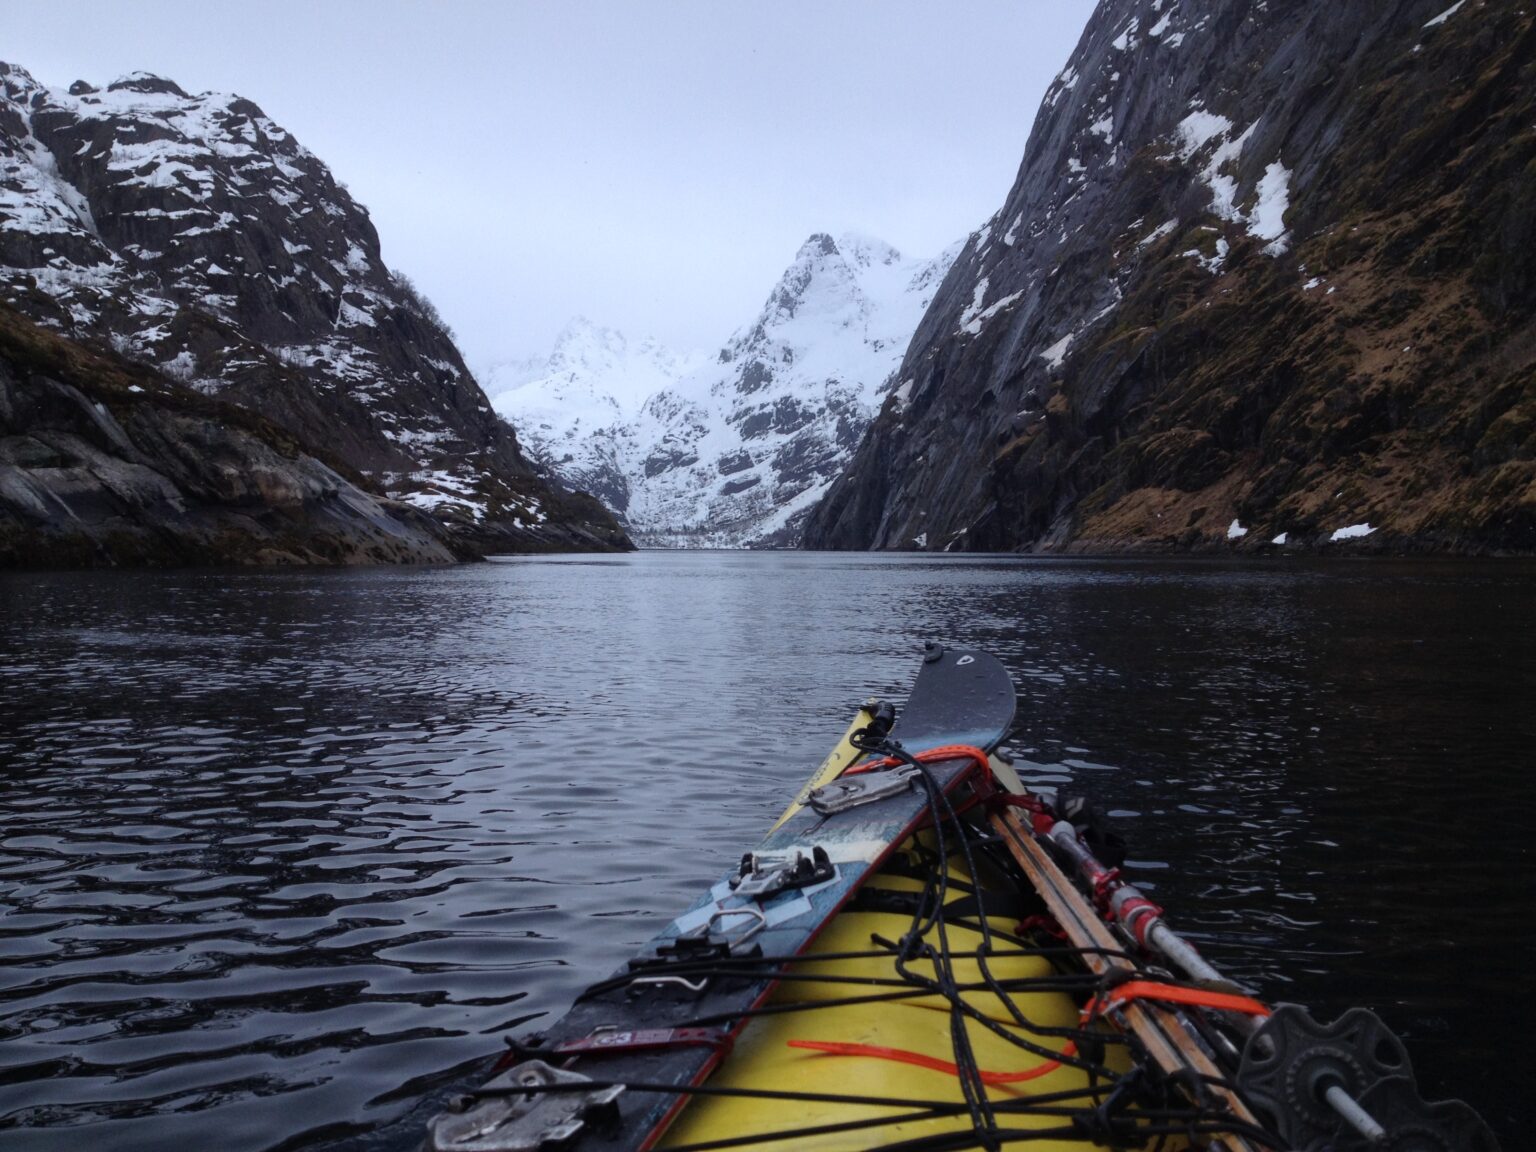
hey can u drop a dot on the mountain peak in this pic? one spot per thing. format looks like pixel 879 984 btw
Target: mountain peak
pixel 16 82
pixel 578 327
pixel 865 250
pixel 582 342
pixel 819 244
pixel 148 83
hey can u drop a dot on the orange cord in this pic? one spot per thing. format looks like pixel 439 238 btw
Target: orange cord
pixel 947 752
pixel 1174 994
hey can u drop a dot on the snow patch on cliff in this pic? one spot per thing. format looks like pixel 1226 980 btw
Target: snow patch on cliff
pixel 1446 15
pixel 978 299
pixel 1266 219
pixel 1351 532
pixel 1056 354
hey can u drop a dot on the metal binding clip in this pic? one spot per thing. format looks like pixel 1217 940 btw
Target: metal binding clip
pixel 728 946
pixel 697 950
pixel 508 1120
pixel 851 791
pixel 765 874
pixel 757 917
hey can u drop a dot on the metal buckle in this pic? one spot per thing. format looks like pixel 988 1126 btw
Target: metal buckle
pixel 521 1121
pixel 697 951
pixel 851 791
pixel 757 920
pixel 765 874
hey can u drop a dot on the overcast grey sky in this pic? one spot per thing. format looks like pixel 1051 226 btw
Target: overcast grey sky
pixel 653 166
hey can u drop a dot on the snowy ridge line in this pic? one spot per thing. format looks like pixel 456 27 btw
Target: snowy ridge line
pixel 731 450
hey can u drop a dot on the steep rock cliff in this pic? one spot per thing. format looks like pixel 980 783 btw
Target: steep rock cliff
pixel 195 235
pixel 1264 280
pixel 104 462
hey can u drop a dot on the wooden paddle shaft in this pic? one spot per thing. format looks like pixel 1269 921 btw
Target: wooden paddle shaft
pixel 1164 1036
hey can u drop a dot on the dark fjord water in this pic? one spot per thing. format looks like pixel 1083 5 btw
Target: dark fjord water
pixel 278 850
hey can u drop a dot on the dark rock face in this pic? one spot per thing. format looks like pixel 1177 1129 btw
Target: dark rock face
pixel 104 463
pixel 1264 280
pixel 194 234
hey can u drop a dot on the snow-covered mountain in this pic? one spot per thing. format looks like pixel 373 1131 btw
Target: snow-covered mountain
pixel 195 235
pixel 731 452
pixel 569 409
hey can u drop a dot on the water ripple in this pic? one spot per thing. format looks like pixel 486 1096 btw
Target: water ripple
pixel 281 851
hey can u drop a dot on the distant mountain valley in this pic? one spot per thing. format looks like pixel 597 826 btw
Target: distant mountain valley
pixel 731 449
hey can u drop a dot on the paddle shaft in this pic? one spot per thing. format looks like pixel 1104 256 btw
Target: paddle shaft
pixel 1142 921
pixel 1131 908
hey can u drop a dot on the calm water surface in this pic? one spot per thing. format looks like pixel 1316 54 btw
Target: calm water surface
pixel 280 851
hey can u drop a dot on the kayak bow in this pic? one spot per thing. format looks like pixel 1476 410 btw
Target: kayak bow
pixel 922 954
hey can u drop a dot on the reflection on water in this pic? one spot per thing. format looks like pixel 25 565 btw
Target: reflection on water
pixel 279 851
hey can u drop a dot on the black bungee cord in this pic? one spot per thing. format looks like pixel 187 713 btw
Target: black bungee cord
pixel 912 944
pixel 958 1004
pixel 1111 1109
pixel 1098 1122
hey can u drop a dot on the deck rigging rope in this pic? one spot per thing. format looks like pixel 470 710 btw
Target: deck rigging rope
pixel 1140 1109
pixel 930 923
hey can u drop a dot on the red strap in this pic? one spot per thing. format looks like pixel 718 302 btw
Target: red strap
pixel 1041 923
pixel 902 1056
pixel 956 752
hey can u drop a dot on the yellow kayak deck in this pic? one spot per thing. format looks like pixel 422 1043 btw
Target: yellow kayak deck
pixel 910 1028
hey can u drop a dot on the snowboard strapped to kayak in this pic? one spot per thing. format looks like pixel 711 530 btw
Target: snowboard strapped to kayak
pixel 923 955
